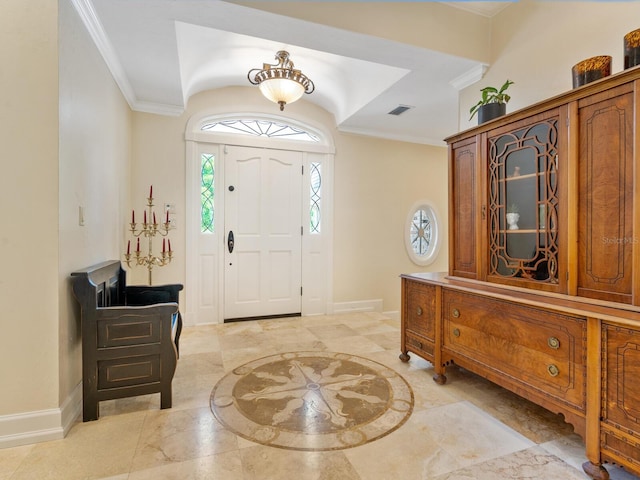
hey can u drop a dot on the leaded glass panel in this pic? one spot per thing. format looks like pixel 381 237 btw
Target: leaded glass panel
pixel 315 198
pixel 261 128
pixel 207 176
pixel 420 232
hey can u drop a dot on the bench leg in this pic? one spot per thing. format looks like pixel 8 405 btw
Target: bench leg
pixel 90 410
pixel 178 332
pixel 165 397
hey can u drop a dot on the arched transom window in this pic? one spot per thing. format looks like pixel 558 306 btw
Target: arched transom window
pixel 260 128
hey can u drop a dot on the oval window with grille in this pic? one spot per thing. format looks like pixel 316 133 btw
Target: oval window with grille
pixel 421 233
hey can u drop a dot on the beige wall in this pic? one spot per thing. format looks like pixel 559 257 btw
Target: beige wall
pixel 29 195
pixel 95 162
pixel 376 183
pixel 535 44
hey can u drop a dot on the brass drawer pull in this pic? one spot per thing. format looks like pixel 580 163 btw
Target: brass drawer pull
pixel 456 332
pixel 456 313
pixel 553 370
pixel 554 343
pixel 419 311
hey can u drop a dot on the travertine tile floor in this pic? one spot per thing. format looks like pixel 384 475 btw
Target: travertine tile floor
pixel 466 429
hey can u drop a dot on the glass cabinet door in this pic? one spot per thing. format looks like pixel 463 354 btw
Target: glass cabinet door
pixel 523 203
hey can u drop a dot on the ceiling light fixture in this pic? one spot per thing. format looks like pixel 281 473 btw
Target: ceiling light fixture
pixel 280 82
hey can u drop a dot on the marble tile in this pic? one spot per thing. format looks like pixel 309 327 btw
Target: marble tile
pixel 193 392
pixel 387 340
pixel 91 450
pixel 468 434
pixel 354 345
pixel 531 420
pixel 570 449
pixel 207 363
pixel 170 436
pixel 290 334
pixel 235 357
pixel 407 453
pixel 199 340
pixel 227 466
pixel 532 463
pixel 325 332
pixel 11 458
pixel 261 463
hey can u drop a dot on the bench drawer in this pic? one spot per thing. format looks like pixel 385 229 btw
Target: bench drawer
pixel 122 372
pixel 129 330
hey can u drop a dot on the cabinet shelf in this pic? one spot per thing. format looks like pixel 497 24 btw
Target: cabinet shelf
pixel 522 177
pixel 522 230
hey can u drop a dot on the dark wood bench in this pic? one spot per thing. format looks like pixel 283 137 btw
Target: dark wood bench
pixel 130 336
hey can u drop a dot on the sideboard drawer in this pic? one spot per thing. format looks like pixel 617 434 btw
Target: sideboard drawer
pixel 420 346
pixel 541 349
pixel 420 309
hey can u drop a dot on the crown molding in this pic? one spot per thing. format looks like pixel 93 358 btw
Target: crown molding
pixel 399 138
pixel 469 77
pixel 93 25
pixel 158 108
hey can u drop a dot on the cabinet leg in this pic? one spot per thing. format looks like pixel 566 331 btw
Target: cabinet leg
pixel 597 472
pixel 404 356
pixel 440 378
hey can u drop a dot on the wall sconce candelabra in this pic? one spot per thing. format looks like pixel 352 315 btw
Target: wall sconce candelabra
pixel 150 228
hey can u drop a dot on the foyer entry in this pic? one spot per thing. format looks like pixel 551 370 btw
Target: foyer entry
pixel 268 181
pixel 263 232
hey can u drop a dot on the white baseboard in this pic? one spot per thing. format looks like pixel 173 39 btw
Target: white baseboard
pixel 42 425
pixel 359 306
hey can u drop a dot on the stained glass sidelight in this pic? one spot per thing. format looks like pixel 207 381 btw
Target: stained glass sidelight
pixel 315 198
pixel 207 175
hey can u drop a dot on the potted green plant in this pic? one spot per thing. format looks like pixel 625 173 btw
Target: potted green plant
pixel 493 103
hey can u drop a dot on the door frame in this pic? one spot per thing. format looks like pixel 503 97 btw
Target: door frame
pixel 317 249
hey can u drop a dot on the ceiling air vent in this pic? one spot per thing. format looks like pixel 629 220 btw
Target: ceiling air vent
pixel 400 109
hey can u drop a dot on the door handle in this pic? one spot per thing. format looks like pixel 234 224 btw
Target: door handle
pixel 230 241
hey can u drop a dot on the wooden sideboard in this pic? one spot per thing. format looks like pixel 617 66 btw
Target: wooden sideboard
pixel 546 302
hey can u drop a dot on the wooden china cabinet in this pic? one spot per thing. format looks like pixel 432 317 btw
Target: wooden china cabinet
pixel 542 295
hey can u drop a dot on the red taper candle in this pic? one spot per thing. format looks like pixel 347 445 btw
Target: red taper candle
pixel 151 191
pixel 138 247
pixel 128 247
pixel 163 245
pixel 133 216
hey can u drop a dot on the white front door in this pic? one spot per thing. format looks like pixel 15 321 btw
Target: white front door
pixel 263 232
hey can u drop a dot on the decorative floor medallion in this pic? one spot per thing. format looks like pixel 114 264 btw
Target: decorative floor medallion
pixel 312 401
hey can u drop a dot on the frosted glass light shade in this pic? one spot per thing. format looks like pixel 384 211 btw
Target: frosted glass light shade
pixel 281 90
